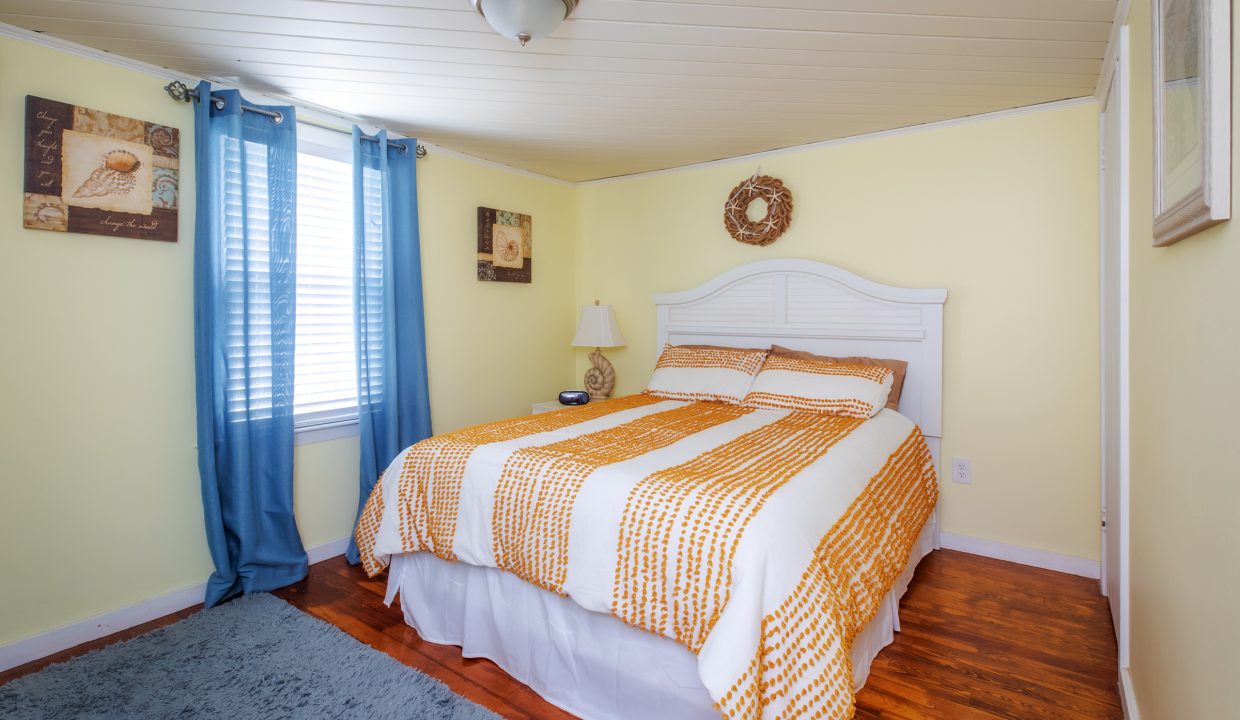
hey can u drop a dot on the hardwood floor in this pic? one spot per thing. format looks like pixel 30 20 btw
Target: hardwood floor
pixel 980 639
pixel 983 638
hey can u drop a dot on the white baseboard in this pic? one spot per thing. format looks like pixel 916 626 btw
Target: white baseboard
pixel 21 652
pixel 1128 696
pixel 328 550
pixel 1025 556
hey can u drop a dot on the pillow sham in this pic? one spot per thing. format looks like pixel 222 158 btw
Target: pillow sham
pixel 832 388
pixel 899 367
pixel 717 374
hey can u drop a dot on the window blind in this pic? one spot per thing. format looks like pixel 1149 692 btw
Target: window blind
pixel 326 369
pixel 373 262
pixel 247 285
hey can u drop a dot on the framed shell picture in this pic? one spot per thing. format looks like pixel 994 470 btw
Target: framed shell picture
pixel 505 246
pixel 89 171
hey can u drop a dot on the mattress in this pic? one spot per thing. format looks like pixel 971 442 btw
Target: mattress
pixel 590 664
pixel 762 541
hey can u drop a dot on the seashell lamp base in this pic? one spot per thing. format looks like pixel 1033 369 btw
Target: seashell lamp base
pixel 601 377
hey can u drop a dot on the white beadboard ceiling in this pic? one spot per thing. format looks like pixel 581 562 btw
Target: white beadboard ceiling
pixel 622 86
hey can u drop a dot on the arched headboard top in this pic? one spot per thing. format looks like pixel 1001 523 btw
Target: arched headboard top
pixel 814 306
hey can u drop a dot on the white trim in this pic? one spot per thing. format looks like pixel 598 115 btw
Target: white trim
pixel 324 143
pixel 1119 20
pixel 324 117
pixel 1118 508
pixel 322 432
pixel 894 132
pixel 1125 381
pixel 328 550
pixel 90 53
pixel 307 113
pixel 1128 695
pixel 440 149
pixel 314 114
pixel 1034 557
pixel 63 638
pixel 39 646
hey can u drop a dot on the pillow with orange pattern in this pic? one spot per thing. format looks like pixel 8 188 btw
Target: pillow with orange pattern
pixel 791 383
pixel 899 367
pixel 705 372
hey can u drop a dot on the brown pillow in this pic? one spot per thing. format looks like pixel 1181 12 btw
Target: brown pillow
pixel 898 367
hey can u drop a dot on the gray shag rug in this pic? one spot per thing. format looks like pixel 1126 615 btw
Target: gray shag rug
pixel 255 657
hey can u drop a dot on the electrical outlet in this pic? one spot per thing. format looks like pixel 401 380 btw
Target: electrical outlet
pixel 962 470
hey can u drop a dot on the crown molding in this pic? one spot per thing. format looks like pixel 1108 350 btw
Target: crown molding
pixel 440 149
pixel 316 115
pixel 90 53
pixel 866 137
pixel 309 113
pixel 334 120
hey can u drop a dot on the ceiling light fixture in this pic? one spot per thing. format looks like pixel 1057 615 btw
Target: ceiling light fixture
pixel 525 20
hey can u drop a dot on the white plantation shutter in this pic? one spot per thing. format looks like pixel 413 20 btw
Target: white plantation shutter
pixel 326 379
pixel 372 285
pixel 246 246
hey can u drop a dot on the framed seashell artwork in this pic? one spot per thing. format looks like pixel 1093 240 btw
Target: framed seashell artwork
pixel 94 172
pixel 505 246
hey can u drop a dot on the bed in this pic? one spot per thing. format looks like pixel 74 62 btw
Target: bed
pixel 659 558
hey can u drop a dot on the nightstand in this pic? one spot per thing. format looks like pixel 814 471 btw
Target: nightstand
pixel 548 406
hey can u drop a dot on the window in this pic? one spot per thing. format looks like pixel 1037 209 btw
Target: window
pixel 325 385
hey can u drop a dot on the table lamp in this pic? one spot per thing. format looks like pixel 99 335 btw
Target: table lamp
pixel 598 329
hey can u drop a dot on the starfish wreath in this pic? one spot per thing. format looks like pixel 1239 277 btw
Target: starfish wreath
pixel 767 229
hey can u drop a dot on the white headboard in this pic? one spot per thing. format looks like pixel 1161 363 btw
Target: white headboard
pixel 809 305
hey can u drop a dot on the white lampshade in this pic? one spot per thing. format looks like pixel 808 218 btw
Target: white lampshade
pixel 525 20
pixel 598 328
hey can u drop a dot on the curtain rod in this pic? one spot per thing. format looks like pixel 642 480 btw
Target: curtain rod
pixel 181 92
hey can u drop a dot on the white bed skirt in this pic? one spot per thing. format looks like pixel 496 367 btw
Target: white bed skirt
pixel 590 664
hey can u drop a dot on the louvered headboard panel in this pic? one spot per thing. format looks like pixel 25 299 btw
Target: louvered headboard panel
pixel 809 305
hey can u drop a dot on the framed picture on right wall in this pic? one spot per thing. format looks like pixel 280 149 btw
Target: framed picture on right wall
pixel 1192 117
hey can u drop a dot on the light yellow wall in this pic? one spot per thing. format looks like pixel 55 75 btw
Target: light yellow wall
pixel 99 495
pixel 1001 212
pixel 100 504
pixel 1185 484
pixel 98 466
pixel 495 347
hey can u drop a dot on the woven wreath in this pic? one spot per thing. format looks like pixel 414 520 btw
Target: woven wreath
pixel 767 229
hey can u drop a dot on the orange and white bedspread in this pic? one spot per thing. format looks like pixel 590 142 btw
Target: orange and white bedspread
pixel 762 540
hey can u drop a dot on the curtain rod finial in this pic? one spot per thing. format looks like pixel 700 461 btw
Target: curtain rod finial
pixel 178 91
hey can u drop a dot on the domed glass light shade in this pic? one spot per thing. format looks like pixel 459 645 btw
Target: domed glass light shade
pixel 524 20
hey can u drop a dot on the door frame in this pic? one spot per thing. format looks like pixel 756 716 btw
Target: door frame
pixel 1115 98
